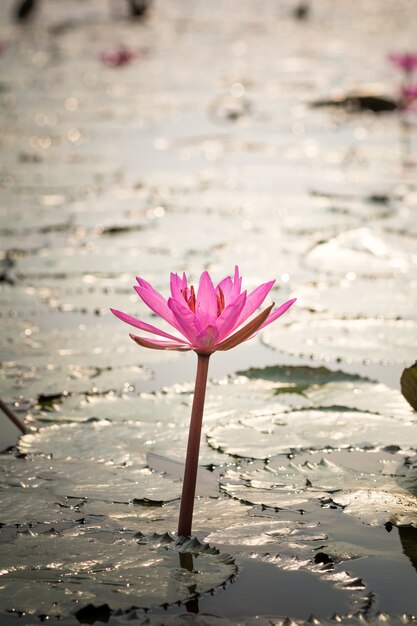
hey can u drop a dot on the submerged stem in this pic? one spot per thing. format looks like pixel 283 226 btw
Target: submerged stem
pixel 193 448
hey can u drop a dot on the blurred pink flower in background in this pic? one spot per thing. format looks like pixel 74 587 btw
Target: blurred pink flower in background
pixel 208 320
pixel 406 61
pixel 116 58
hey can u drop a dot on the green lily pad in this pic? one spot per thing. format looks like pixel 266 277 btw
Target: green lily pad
pixel 224 399
pixel 159 421
pixel 85 480
pixel 365 252
pixel 351 298
pixel 34 381
pixel 314 213
pixel 102 343
pixel 362 396
pixel 283 535
pixel 262 436
pixel 378 507
pixel 208 512
pixel 114 484
pixel 323 387
pixel 116 442
pixel 363 340
pixel 69 571
pixel 377 487
pixel 34 506
pixel 292 375
pixel 297 379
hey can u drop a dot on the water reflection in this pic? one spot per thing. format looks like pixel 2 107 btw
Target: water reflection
pixel 187 563
pixel 408 537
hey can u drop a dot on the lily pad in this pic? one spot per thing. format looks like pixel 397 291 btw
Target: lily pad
pixel 90 441
pixel 359 298
pixel 91 480
pixel 365 252
pixel 363 396
pixel 313 213
pixel 82 345
pixel 114 484
pixel 34 381
pixel 280 485
pixel 256 436
pixel 83 408
pixel 224 399
pixel 364 340
pixel 320 387
pixel 117 442
pixel 34 506
pixel 378 507
pixel 208 512
pixel 67 572
pixel 160 421
pixel 297 379
pixel 378 487
pixel 283 535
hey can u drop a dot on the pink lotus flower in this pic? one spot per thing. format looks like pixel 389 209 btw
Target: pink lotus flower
pixel 207 321
pixel 214 318
pixel 406 61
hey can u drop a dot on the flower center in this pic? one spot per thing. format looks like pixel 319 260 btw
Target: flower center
pixel 189 297
pixel 220 301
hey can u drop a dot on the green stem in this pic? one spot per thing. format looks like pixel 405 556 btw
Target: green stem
pixel 193 448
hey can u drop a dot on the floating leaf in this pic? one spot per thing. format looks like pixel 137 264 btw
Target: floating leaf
pixel 379 506
pixel 33 507
pixel 159 421
pixel 280 484
pixel 109 406
pixel 293 536
pixel 114 484
pixel 257 436
pixel 297 379
pixel 323 387
pixel 34 382
pixel 67 572
pixel 365 252
pixel 116 442
pixel 208 513
pixel 224 399
pixel 367 340
pixel 92 480
pixel 358 298
pixel 363 396
pixel 375 486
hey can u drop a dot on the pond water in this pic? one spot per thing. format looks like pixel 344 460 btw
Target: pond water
pixel 200 136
